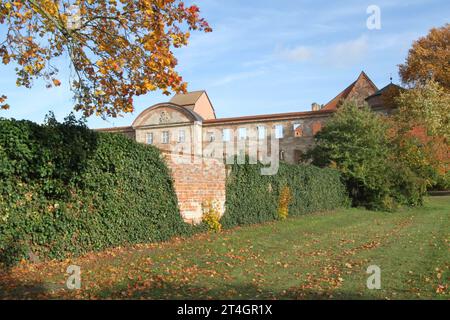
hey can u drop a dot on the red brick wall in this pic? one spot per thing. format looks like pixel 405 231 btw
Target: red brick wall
pixel 197 180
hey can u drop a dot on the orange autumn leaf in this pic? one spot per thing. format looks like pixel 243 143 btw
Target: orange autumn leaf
pixel 125 46
pixel 428 59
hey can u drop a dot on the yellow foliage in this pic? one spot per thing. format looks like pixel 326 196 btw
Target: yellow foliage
pixel 211 215
pixel 152 28
pixel 427 59
pixel 283 203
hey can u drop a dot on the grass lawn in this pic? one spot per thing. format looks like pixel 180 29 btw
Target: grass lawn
pixel 323 255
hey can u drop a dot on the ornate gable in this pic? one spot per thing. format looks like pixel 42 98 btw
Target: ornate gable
pixel 165 114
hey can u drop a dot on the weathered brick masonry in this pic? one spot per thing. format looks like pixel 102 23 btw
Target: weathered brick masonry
pixel 197 180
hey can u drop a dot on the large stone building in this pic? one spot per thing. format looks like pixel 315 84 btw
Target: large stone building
pixel 196 142
pixel 188 123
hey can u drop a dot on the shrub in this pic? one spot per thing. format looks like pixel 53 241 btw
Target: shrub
pixel 381 169
pixel 423 132
pixel 253 198
pixel 68 190
pixel 283 203
pixel 211 215
pixel 355 141
pixel 442 182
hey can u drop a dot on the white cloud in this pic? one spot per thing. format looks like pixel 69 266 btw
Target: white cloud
pixel 297 54
pixel 258 62
pixel 337 54
pixel 237 76
pixel 348 51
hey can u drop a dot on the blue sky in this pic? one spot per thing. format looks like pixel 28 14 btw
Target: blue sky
pixel 267 56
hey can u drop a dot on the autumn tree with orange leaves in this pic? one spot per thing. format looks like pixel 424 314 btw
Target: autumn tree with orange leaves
pixel 423 112
pixel 117 49
pixel 422 131
pixel 429 59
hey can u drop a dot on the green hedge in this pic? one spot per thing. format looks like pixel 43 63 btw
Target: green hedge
pixel 65 189
pixel 253 198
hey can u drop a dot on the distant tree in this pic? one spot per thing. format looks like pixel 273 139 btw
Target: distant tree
pixel 426 106
pixel 117 49
pixel 414 165
pixel 422 131
pixel 382 164
pixel 355 142
pixel 429 59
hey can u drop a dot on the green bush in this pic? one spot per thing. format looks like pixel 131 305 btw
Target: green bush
pixel 442 182
pixel 380 170
pixel 65 189
pixel 355 141
pixel 254 198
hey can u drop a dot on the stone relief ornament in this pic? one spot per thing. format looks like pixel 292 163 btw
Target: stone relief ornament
pixel 163 117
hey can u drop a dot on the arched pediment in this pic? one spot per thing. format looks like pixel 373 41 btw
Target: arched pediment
pixel 165 113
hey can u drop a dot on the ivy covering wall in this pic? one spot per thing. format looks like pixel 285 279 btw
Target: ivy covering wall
pixel 254 198
pixel 65 189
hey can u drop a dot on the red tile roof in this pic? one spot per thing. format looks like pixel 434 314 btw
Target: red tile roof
pixel 127 128
pixel 276 116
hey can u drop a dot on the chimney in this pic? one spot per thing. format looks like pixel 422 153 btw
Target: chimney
pixel 315 107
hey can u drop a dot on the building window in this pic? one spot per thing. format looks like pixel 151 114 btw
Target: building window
pixel 210 136
pixel 261 132
pixel 226 135
pixel 149 138
pixel 165 137
pixel 298 132
pixel 181 136
pixel 242 133
pixel 279 131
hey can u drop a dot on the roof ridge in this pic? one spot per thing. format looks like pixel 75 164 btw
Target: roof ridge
pixel 191 94
pixel 367 77
pixel 344 93
pixel 380 91
pixel 340 94
pixel 273 115
pixel 194 91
